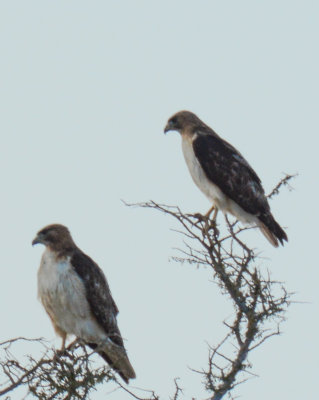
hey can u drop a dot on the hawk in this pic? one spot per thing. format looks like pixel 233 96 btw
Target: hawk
pixel 75 294
pixel 224 176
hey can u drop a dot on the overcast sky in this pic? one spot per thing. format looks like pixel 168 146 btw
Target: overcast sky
pixel 86 89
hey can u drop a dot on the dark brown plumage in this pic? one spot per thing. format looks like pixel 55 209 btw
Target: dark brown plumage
pixel 223 174
pixel 77 297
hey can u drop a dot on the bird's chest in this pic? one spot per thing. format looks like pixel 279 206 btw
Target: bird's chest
pixel 211 190
pixel 52 274
pixel 59 287
pixel 192 163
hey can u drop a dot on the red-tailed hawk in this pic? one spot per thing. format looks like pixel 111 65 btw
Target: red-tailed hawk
pixel 77 298
pixel 224 176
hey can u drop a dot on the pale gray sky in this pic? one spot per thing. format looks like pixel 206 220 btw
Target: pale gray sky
pixel 86 89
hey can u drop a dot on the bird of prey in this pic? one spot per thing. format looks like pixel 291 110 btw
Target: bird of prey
pixel 224 176
pixel 75 294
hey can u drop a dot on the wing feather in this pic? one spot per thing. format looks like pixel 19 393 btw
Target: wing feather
pixel 98 294
pixel 228 169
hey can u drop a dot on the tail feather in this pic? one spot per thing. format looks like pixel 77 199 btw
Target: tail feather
pixel 272 230
pixel 117 359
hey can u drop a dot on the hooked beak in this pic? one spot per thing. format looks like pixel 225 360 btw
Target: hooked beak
pixel 36 240
pixel 167 128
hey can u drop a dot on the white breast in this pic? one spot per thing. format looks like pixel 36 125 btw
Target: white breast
pixel 212 191
pixel 214 194
pixel 62 294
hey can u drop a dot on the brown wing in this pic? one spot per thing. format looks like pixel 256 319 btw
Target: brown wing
pixel 228 169
pixel 104 309
pixel 98 294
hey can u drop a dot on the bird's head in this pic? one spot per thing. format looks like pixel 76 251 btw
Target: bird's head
pixel 54 236
pixel 182 120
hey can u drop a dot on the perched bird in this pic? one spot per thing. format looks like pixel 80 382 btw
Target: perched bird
pixel 77 298
pixel 224 176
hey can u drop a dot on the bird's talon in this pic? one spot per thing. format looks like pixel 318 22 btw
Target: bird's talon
pixel 200 217
pixel 59 353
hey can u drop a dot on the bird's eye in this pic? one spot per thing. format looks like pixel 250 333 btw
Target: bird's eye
pixel 173 121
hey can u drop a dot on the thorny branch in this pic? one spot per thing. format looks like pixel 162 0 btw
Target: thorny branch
pixel 283 182
pixel 56 375
pixel 259 306
pixel 259 303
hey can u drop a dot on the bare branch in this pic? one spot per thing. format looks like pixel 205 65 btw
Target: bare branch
pixel 259 306
pixel 283 182
pixel 55 375
pixel 66 375
pixel 259 303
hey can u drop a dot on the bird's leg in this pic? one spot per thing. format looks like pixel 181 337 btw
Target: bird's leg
pixel 215 214
pixel 210 211
pixel 205 217
pixel 63 342
pixel 210 222
pixel 61 352
pixel 75 341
